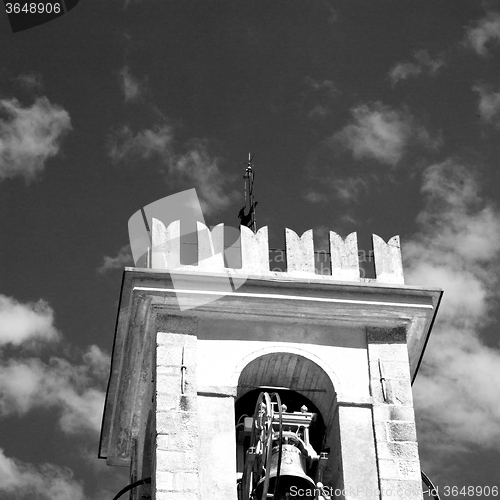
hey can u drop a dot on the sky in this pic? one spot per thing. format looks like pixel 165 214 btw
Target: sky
pixel 375 117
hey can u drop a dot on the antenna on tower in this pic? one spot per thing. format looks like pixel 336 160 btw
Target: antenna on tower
pixel 248 219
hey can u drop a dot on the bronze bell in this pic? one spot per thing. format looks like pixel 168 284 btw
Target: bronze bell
pixel 293 478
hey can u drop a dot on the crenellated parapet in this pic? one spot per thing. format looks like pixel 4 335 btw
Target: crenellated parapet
pixel 300 257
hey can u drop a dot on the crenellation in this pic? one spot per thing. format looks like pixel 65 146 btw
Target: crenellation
pixel 300 257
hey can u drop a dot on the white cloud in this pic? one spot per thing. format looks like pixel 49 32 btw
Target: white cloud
pixel 122 259
pixel 132 88
pixel 381 133
pixel 74 390
pixel 21 323
pixel 489 104
pixel 483 33
pixel 21 481
pixel 457 249
pixel 425 63
pixel 315 197
pixel 29 136
pixel 195 168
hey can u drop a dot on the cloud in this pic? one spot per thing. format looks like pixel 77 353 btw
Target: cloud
pixel 29 136
pixel 132 88
pixel 201 169
pixel 197 167
pixel 317 96
pixel 489 104
pixel 74 390
pixel 122 259
pixel 381 133
pixel 457 249
pixel 483 33
pixel 31 81
pixel 348 189
pixel 20 480
pixel 425 63
pixel 21 323
pixel 145 144
pixel 315 197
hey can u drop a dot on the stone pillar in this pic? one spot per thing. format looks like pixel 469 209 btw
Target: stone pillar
pixel 176 436
pixel 393 415
pixel 359 469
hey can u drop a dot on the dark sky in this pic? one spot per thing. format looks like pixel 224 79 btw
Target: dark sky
pixel 375 117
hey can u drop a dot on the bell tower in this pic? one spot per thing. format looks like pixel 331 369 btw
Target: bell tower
pixel 236 382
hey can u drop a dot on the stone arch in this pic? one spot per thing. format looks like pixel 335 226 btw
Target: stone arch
pixel 292 368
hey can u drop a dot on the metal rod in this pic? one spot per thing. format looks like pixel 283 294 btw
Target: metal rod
pixel 382 380
pixel 183 369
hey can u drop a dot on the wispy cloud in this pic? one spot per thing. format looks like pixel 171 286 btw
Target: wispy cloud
pixel 30 81
pixel 318 96
pixel 132 87
pixel 457 249
pixel 424 64
pixel 45 482
pixel 315 197
pixel 489 104
pixel 482 34
pixel 381 133
pixel 22 323
pixel 147 143
pixel 122 259
pixel 196 167
pixel 348 189
pixel 29 136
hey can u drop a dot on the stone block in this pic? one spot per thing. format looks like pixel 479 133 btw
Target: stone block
pixel 393 412
pixel 168 354
pixel 175 402
pixel 176 461
pixel 381 431
pixel 400 489
pixel 185 441
pixel 178 482
pixel 166 323
pixel 399 469
pixel 400 392
pixel 386 335
pixel 388 352
pixel 397 451
pixel 178 495
pixel 402 431
pixel 391 369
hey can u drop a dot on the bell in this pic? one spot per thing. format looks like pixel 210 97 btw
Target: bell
pixel 293 479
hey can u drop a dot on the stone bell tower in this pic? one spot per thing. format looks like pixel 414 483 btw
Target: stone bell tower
pixel 226 381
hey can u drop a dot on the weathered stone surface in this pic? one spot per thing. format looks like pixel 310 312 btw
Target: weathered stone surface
pixel 344 257
pixel 402 431
pixel 299 253
pixel 393 412
pixel 183 484
pixel 386 335
pixel 172 323
pixel 397 450
pixel 401 489
pixel 388 261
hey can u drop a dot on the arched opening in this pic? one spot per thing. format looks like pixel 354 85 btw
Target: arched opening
pixel 309 420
